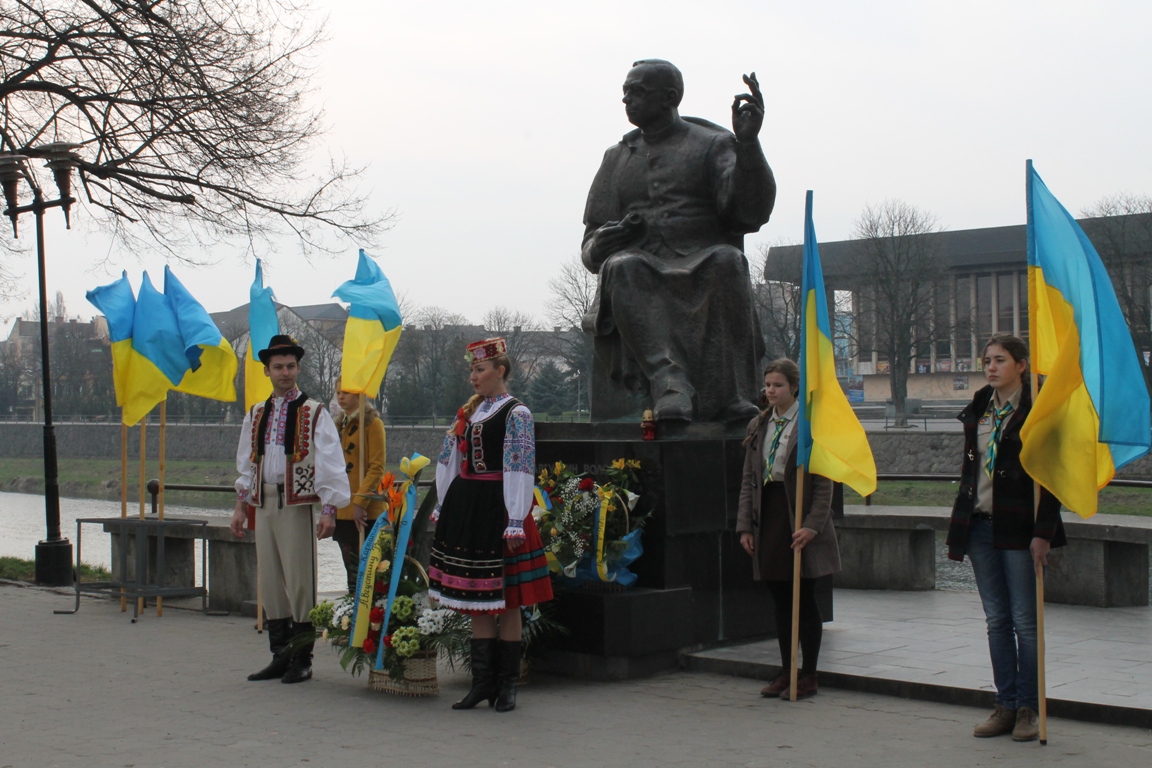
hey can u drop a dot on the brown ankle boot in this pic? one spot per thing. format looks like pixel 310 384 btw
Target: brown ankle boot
pixel 1002 721
pixel 1027 727
pixel 776 687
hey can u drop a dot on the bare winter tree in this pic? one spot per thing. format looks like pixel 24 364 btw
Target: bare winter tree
pixel 1121 229
pixel 897 266
pixel 573 292
pixel 778 298
pixel 320 367
pixel 521 331
pixel 191 117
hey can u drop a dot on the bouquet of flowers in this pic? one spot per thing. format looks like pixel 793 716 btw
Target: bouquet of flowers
pixel 389 624
pixel 415 626
pixel 590 530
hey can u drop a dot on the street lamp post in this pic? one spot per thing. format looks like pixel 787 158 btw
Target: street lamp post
pixel 54 553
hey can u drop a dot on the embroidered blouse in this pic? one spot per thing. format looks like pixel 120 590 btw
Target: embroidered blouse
pixel 519 461
pixel 331 478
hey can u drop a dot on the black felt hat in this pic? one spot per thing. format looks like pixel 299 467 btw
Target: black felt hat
pixel 281 345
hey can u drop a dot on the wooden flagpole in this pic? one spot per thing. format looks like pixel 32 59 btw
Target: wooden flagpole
pixel 794 669
pixel 123 493
pixel 143 490
pixel 363 439
pixel 160 490
pixel 1041 681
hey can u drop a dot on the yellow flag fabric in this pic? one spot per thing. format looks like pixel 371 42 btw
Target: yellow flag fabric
pixel 830 440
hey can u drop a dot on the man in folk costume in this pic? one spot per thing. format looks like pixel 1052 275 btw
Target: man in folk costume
pixel 290 461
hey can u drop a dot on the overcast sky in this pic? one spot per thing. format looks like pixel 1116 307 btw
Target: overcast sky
pixel 484 123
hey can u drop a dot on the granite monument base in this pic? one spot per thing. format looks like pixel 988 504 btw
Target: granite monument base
pixel 694 585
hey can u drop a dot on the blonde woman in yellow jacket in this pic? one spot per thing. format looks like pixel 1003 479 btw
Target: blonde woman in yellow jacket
pixel 362 512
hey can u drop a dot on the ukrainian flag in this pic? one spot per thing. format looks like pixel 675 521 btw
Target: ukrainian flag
pixel 1093 414
pixel 158 362
pixel 263 324
pixel 210 358
pixel 830 440
pixel 373 328
pixel 118 304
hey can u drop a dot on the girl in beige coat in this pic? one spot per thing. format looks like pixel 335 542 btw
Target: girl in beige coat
pixel 766 524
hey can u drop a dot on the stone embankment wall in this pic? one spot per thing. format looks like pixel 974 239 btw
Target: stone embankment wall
pixel 184 441
pixel 903 452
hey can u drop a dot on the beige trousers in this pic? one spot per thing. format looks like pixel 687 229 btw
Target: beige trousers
pixel 285 557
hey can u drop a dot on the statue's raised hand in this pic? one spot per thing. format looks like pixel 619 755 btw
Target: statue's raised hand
pixel 748 110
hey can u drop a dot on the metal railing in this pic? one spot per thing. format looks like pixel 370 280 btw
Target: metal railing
pixel 946 478
pixel 154 489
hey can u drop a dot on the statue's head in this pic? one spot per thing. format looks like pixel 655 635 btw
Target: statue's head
pixel 652 92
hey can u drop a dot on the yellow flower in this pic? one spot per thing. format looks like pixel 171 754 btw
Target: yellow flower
pixel 634 463
pixel 543 478
pixel 558 467
pixel 383 566
pixel 618 464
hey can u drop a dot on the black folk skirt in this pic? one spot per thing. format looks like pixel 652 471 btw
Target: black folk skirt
pixel 472 569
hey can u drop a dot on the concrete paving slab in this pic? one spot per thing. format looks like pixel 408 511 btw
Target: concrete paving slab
pixel 1098 664
pixel 96 691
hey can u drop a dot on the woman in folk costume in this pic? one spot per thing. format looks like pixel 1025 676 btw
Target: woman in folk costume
pixel 996 523
pixel 487 557
pixel 361 514
pixel 766 522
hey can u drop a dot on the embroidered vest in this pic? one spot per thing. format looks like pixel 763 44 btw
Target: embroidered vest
pixel 299 458
pixel 485 441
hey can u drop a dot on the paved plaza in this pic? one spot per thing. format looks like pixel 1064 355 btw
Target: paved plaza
pixel 933 646
pixel 95 690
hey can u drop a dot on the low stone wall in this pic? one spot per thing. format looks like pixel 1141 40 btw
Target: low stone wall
pixel 895 452
pixel 184 441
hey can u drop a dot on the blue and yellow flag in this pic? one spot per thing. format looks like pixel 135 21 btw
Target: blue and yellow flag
pixel 373 328
pixel 263 324
pixel 158 362
pixel 830 440
pixel 118 304
pixel 1092 415
pixel 211 360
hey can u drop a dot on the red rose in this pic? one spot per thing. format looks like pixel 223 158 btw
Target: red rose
pixel 387 641
pixel 376 615
pixel 380 586
pixel 587 484
pixel 369 646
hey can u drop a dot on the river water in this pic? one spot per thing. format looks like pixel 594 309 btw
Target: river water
pixel 22 526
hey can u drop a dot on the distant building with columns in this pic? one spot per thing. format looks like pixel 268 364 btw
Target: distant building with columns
pixel 982 289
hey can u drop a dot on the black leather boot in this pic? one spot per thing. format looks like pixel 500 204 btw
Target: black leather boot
pixel 300 660
pixel 508 662
pixel 279 633
pixel 483 674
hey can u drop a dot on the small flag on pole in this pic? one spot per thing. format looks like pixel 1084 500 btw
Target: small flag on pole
pixel 211 360
pixel 263 324
pixel 118 304
pixel 1092 415
pixel 373 328
pixel 830 440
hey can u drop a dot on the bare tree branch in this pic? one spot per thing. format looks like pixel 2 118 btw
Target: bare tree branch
pixel 191 116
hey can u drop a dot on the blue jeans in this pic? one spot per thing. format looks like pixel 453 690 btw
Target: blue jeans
pixel 1006 579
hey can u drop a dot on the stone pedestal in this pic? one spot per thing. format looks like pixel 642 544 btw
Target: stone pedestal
pixel 886 558
pixel 1100 573
pixel 179 559
pixel 694 585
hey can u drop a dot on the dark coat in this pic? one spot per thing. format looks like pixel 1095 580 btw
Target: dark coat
pixel 821 556
pixel 1014 521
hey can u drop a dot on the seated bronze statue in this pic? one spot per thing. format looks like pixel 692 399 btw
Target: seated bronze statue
pixel 674 318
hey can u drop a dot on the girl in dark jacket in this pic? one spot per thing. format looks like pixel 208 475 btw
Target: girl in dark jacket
pixel 994 522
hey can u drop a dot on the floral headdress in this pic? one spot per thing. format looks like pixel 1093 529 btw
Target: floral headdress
pixel 485 350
